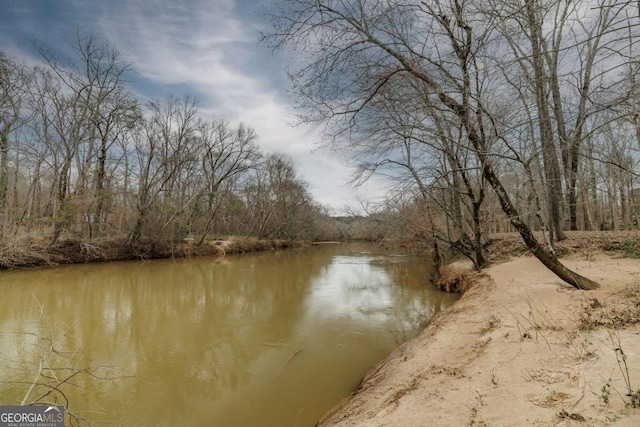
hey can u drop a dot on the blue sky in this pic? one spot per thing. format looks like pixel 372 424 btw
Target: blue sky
pixel 206 48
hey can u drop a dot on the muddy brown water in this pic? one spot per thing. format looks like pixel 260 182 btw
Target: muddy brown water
pixel 269 339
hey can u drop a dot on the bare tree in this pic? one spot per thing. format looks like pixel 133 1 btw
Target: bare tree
pixel 278 202
pixel 352 50
pixel 412 144
pixel 13 80
pixel 81 158
pixel 226 154
pixel 88 99
pixel 567 56
pixel 164 150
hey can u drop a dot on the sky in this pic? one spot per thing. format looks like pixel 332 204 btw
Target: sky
pixel 209 49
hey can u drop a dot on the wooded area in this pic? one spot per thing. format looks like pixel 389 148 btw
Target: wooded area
pixel 491 115
pixel 81 158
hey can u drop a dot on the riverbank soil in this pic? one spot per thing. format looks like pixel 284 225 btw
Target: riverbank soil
pixel 520 348
pixel 38 253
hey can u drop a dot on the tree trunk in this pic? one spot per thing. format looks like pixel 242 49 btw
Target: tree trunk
pixel 463 111
pixel 61 220
pixel 481 261
pixel 100 194
pixel 4 178
pixel 549 155
pixel 539 251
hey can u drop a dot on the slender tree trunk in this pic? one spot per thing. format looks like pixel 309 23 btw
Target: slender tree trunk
pixel 4 178
pixel 436 258
pixel 545 256
pixel 573 203
pixel 61 219
pixel 539 251
pixel 550 157
pixel 585 203
pixel 100 194
pixel 481 261
pixel 624 207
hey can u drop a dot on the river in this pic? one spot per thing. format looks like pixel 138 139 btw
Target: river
pixel 267 339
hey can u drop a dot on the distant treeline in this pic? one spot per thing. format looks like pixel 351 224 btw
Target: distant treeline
pixel 82 158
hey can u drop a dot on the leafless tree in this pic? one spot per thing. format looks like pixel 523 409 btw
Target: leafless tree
pixel 350 51
pixel 164 150
pixel 279 204
pixel 13 81
pixel 226 154
pixel 565 58
pixel 81 158
pixel 88 99
pixel 414 145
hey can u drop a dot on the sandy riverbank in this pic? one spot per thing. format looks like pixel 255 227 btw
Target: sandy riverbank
pixel 520 348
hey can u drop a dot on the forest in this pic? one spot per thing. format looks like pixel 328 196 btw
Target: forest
pixel 83 159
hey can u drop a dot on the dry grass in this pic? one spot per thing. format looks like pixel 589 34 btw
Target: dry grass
pixel 622 311
pixel 453 279
pixel 503 246
pixel 33 254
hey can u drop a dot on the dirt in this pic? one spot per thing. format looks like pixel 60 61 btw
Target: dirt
pixel 520 348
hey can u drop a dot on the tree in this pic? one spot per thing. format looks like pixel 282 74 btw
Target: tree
pixel 570 69
pixel 351 51
pixel 226 154
pixel 165 151
pixel 81 158
pixel 13 79
pixel 89 99
pixel 413 145
pixel 540 88
pixel 278 202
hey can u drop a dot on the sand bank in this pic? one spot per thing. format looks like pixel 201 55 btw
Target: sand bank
pixel 520 348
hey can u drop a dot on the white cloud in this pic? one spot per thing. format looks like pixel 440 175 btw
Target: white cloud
pixel 206 47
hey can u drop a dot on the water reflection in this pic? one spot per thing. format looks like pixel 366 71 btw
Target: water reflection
pixel 271 339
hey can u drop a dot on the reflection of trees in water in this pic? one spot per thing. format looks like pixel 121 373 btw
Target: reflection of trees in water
pixel 197 321
pixel 410 310
pixel 191 329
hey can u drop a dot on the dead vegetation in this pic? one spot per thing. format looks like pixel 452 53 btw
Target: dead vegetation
pixel 456 372
pixel 33 253
pixel 453 279
pixel 504 246
pixel 621 312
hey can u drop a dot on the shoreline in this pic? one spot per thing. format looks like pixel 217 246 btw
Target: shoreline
pixel 37 255
pixel 520 347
